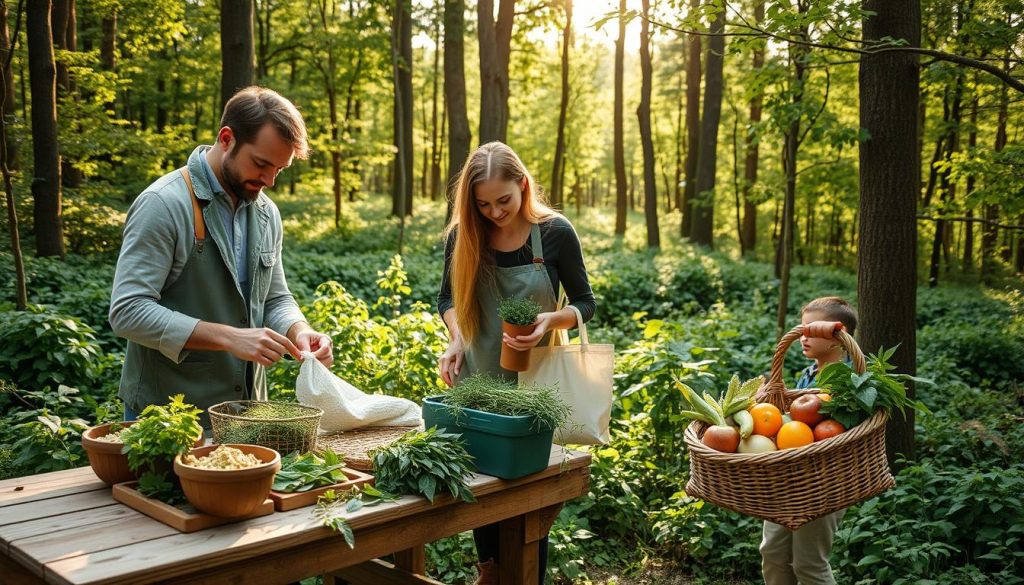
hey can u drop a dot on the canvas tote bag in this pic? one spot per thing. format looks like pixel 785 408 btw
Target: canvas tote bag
pixel 583 374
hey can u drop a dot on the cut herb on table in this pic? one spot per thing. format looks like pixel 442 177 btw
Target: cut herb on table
pixel 332 508
pixel 424 463
pixel 301 473
pixel 855 397
pixel 491 394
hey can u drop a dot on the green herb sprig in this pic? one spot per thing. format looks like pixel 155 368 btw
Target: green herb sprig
pixel 518 311
pixel 491 394
pixel 425 463
pixel 332 508
pixel 855 397
pixel 301 473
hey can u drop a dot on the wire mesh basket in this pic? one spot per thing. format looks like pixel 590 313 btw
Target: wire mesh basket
pixel 282 426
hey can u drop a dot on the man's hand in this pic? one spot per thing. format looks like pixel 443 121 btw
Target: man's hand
pixel 317 343
pixel 261 345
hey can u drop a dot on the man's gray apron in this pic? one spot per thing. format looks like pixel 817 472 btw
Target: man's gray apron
pixel 530 281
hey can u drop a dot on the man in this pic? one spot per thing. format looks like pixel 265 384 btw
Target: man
pixel 199 290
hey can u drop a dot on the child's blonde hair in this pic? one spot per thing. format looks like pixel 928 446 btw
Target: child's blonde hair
pixel 493 160
pixel 835 309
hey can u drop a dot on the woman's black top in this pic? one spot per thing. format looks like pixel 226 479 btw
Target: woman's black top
pixel 563 259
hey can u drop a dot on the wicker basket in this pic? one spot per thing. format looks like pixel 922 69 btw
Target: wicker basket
pixel 794 486
pixel 284 435
pixel 356 445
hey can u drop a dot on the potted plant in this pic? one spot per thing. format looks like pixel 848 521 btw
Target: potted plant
pixel 518 317
pixel 104 444
pixel 162 433
pixel 508 429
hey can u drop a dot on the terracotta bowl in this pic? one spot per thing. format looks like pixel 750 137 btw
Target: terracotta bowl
pixel 105 458
pixel 229 493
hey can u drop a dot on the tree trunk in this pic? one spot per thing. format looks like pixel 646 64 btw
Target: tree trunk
pixel 748 235
pixel 791 147
pixel 889 186
pixel 693 127
pixel 21 290
pixel 990 211
pixel 643 113
pixel 455 93
pixel 495 40
pixel 63 23
pixel 947 186
pixel 263 16
pixel 236 46
pixel 563 110
pixel 49 222
pixel 972 142
pixel 435 145
pixel 9 104
pixel 621 184
pixel 702 230
pixel 402 190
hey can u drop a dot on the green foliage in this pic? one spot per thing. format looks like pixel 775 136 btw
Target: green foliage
pixel 47 348
pixel 518 311
pixel 855 397
pixel 46 438
pixel 983 349
pixel 332 508
pixel 424 463
pixel 151 444
pixel 449 559
pixel 491 394
pixel 303 472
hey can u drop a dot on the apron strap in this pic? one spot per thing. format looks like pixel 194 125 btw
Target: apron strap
pixel 536 246
pixel 197 213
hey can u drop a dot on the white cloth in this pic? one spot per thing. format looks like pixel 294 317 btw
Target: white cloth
pixel 345 406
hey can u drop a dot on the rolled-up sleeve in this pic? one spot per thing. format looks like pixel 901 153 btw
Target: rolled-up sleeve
pixel 281 310
pixel 146 259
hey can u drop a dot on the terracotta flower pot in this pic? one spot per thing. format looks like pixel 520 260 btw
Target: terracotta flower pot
pixel 513 359
pixel 106 459
pixel 229 493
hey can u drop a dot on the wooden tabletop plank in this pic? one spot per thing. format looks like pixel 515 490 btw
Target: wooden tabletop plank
pixel 48 485
pixel 55 506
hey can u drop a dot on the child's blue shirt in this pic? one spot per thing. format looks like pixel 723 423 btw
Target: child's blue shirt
pixel 807 377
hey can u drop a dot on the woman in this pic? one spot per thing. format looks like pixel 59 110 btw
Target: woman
pixel 503 241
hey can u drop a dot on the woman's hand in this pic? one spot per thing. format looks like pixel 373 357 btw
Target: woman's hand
pixel 542 325
pixel 450 362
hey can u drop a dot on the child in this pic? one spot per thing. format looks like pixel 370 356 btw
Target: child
pixel 801 556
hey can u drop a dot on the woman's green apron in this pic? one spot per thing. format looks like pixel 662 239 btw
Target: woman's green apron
pixel 529 281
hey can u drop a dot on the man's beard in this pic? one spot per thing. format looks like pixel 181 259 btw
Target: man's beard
pixel 235 184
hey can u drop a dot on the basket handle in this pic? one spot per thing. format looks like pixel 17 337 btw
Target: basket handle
pixel 774 389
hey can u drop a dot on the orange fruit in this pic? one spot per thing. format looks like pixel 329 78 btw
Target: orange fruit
pixel 824 397
pixel 794 434
pixel 767 419
pixel 827 429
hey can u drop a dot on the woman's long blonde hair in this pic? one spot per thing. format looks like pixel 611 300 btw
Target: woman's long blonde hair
pixel 493 160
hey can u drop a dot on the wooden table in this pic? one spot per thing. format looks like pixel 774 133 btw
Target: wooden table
pixel 64 527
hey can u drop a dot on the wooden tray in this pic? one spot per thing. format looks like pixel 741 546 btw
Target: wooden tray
pixel 284 501
pixel 186 519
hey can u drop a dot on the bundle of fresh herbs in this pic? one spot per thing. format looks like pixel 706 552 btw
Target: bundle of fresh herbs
pixel 425 463
pixel 301 473
pixel 855 397
pixel 162 432
pixel 490 394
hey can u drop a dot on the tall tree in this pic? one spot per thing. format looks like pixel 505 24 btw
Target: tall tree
pixel 621 184
pixel 48 215
pixel 748 234
pixel 238 53
pixel 63 24
pixel 455 92
pixel 10 106
pixel 495 40
pixel 6 52
pixel 693 75
pixel 401 192
pixel 325 59
pixel 435 144
pixel 702 230
pixel 558 169
pixel 990 211
pixel 889 184
pixel 643 113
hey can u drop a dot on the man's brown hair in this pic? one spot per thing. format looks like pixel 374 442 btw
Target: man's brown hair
pixel 835 309
pixel 249 109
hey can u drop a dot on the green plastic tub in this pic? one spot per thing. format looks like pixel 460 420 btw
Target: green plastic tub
pixel 503 446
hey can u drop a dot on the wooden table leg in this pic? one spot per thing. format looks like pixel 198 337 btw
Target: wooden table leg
pixel 412 559
pixel 519 542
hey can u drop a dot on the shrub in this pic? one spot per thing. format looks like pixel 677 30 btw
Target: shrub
pixel 47 348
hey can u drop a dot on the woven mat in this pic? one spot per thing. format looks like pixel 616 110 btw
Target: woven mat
pixel 354 445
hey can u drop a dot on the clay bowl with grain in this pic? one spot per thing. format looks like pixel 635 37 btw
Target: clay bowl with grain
pixel 105 457
pixel 228 493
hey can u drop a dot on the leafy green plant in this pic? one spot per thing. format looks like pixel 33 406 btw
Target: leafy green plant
pixel 46 348
pixel 518 311
pixel 151 444
pixel 301 473
pixel 855 397
pixel 333 507
pixel 424 463
pixel 491 394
